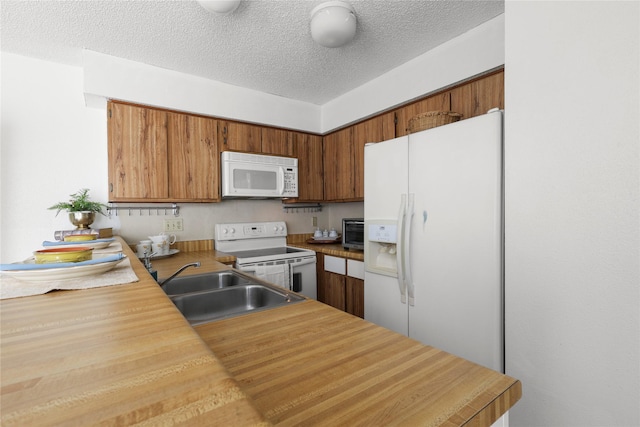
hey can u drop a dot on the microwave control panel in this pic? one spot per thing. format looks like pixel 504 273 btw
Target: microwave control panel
pixel 290 181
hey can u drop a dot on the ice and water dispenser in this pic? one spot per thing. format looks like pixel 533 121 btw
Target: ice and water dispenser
pixel 380 242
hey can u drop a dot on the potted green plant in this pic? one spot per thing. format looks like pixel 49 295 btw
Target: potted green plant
pixel 82 211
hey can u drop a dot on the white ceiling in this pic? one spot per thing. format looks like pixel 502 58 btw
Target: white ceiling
pixel 264 45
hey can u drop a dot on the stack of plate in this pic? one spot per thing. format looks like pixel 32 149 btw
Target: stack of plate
pixel 64 260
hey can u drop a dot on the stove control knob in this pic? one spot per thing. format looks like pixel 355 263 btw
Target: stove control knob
pixel 232 230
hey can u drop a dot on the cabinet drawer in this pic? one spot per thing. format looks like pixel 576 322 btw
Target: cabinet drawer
pixel 335 265
pixel 355 269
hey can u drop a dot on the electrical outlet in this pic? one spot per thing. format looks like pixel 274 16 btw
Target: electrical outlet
pixel 173 224
pixel 315 221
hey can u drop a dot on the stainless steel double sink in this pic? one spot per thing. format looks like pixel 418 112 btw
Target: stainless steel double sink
pixel 207 297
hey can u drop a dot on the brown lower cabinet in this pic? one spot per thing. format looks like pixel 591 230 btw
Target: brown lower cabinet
pixel 340 290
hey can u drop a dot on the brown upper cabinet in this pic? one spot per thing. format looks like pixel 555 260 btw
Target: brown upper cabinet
pixel 308 150
pixel 338 158
pixel 237 136
pixel 377 129
pixel 344 157
pixel 470 99
pixel 137 151
pixel 279 142
pixel 479 96
pixel 194 165
pixel 160 156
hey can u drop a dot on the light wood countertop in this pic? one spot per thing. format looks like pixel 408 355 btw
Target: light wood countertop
pixel 122 355
pixel 310 364
pixel 333 249
pixel 116 355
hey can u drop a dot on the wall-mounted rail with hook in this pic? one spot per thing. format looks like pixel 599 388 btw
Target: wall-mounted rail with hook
pixel 302 208
pixel 174 210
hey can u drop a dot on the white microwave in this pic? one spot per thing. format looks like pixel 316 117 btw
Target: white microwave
pixel 258 176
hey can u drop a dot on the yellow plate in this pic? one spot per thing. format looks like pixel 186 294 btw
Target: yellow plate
pixel 79 237
pixel 67 254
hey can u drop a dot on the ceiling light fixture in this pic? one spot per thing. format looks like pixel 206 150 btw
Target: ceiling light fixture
pixel 220 6
pixel 333 23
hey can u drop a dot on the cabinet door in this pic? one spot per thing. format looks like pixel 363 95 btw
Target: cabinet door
pixel 338 166
pixel 354 296
pixel 193 158
pixel 239 137
pixel 278 142
pixel 335 290
pixel 479 96
pixel 137 152
pixel 377 129
pixel 308 149
pixel 330 286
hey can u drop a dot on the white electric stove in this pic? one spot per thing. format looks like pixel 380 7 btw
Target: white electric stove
pixel 261 249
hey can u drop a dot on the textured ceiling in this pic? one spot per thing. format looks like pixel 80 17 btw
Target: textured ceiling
pixel 264 45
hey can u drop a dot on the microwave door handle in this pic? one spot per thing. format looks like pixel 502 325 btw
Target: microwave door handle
pixel 281 179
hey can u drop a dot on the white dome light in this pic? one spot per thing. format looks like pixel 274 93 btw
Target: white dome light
pixel 220 6
pixel 333 24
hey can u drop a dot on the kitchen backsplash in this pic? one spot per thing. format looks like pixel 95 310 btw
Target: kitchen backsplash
pixel 199 219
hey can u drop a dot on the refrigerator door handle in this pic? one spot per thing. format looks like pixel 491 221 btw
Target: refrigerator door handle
pixel 407 249
pixel 400 250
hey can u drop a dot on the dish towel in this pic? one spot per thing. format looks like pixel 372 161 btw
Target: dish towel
pixel 277 274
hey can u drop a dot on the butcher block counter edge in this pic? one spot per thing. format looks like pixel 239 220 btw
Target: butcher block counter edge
pixel 116 355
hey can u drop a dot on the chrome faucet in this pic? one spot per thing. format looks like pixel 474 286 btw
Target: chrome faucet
pixel 180 270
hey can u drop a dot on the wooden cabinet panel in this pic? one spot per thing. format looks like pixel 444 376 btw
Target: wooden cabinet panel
pixel 308 150
pixel 239 137
pixel 477 97
pixel 338 166
pixel 334 292
pixel 440 102
pixel 278 142
pixel 137 153
pixel 193 158
pixel 330 286
pixel 354 296
pixel 377 129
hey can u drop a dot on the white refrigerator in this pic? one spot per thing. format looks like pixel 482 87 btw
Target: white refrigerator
pixel 433 210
